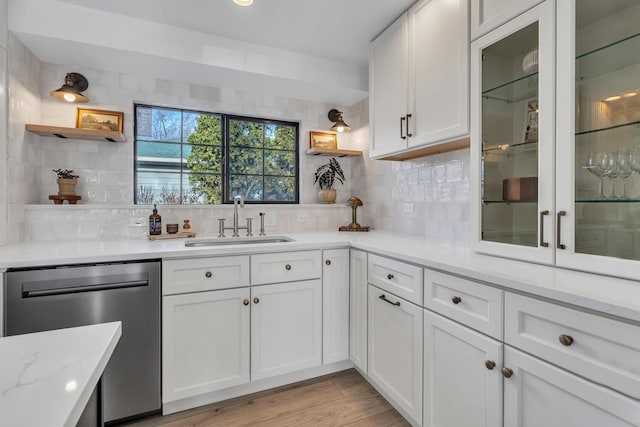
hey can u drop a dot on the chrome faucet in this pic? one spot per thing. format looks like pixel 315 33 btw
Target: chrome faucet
pixel 237 201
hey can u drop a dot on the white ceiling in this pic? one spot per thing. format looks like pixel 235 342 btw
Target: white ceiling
pixel 334 29
pixel 309 49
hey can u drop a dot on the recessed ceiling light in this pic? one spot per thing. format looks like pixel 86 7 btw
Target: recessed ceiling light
pixel 243 2
pixel 613 98
pixel 629 94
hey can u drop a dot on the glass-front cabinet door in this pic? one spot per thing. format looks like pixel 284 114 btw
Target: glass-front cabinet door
pixel 598 136
pixel 512 137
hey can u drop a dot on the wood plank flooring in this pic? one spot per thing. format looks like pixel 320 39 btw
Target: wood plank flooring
pixel 340 399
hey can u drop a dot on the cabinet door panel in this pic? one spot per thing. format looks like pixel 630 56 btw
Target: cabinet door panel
pixel 395 350
pixel 539 394
pixel 388 89
pixel 285 267
pixel 459 390
pixel 286 328
pixel 335 305
pixel 358 309
pixel 438 71
pixel 205 345
pixel 489 14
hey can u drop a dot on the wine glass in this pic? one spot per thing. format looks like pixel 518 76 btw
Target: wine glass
pixel 612 170
pixel 623 159
pixel 595 164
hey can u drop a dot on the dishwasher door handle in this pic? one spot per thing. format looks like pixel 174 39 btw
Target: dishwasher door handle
pixel 76 289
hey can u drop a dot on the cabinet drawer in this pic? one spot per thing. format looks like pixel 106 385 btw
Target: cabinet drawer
pixel 601 349
pixel 403 280
pixel 285 267
pixel 204 274
pixel 471 303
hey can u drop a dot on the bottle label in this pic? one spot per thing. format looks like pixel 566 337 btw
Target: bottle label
pixel 155 226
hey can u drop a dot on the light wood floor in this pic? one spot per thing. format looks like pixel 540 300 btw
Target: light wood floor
pixel 341 399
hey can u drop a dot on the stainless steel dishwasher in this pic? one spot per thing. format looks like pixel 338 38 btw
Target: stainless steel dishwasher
pixel 41 299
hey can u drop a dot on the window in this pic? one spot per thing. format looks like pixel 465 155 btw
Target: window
pixel 192 157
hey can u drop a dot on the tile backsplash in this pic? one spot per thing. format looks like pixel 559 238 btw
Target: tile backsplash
pixel 424 197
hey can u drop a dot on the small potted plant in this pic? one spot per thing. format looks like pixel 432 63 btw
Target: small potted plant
pixel 326 175
pixel 67 181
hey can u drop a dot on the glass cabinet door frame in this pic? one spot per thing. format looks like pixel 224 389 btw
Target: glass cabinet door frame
pixel 565 155
pixel 544 14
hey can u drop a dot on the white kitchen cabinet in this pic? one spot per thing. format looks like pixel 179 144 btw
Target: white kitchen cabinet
pixel 388 89
pixel 489 14
pixel 512 137
pixel 462 378
pixel 285 267
pixel 335 305
pixel 397 277
pixel 286 328
pixel 204 274
pixel 598 61
pixel 205 342
pixel 567 193
pixel 395 351
pixel 418 79
pixel 537 393
pixel 358 309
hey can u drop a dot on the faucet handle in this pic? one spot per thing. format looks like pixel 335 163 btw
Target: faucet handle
pixel 220 227
pixel 249 226
pixel 262 233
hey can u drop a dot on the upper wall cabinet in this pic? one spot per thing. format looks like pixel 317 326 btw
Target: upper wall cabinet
pixel 555 129
pixel 598 161
pixel 418 81
pixel 489 14
pixel 512 137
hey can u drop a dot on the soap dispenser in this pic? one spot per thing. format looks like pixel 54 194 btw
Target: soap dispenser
pixel 155 223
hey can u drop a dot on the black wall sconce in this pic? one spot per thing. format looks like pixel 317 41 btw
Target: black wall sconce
pixel 339 125
pixel 74 84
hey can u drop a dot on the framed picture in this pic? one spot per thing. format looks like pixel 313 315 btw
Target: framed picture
pixel 99 119
pixel 323 140
pixel 531 121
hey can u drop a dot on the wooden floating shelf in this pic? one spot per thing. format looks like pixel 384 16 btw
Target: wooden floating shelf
pixel 333 153
pixel 75 133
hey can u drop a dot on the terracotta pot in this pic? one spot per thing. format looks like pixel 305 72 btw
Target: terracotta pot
pixel 327 196
pixel 67 187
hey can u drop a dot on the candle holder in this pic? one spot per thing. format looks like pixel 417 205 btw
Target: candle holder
pixel 354 202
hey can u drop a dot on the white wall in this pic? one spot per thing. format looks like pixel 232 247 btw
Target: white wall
pixel 4 235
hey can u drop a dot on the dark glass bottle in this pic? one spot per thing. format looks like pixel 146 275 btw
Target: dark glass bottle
pixel 155 223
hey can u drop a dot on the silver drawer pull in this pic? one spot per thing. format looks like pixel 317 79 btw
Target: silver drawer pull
pixel 565 340
pixel 384 298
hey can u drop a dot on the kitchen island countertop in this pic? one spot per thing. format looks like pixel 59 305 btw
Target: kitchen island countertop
pixel 608 295
pixel 47 378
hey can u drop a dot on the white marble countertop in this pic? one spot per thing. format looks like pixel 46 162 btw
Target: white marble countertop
pixel 47 378
pixel 612 296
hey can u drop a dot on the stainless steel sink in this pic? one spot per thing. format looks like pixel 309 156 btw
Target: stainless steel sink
pixel 224 241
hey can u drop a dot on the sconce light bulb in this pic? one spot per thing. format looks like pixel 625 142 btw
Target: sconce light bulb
pixel 340 129
pixel 69 97
pixel 243 2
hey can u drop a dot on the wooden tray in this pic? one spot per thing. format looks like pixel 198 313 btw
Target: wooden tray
pixel 347 228
pixel 181 234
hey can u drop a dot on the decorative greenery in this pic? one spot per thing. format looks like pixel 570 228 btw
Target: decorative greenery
pixel 66 174
pixel 328 173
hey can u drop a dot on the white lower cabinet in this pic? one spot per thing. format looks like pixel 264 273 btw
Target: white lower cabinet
pixel 540 394
pixel 358 309
pixel 286 328
pixel 462 378
pixel 335 305
pixel 205 342
pixel 395 351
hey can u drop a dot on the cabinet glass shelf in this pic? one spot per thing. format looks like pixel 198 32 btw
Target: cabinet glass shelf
pixel 614 56
pixel 605 129
pixel 517 90
pixel 507 149
pixel 509 202
pixel 607 201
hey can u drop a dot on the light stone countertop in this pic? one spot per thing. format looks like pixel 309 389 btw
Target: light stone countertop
pixel 608 295
pixel 47 378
